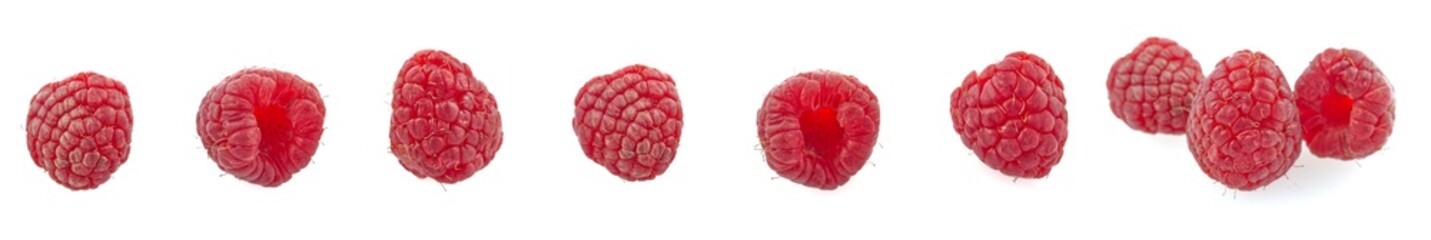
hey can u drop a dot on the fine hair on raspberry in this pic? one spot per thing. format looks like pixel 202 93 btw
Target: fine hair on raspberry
pixel 1243 129
pixel 1150 88
pixel 1346 105
pixel 78 129
pixel 445 124
pixel 262 125
pixel 1012 115
pixel 818 128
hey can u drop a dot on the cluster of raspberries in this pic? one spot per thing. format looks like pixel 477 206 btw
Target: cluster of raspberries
pixel 1243 122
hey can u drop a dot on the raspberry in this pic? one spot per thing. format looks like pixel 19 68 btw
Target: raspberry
pixel 1151 87
pixel 1243 127
pixel 1012 115
pixel 818 128
pixel 78 129
pixel 261 125
pixel 629 121
pixel 445 125
pixel 1346 105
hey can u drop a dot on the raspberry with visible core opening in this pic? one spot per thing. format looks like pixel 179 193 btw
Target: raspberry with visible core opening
pixel 261 125
pixel 818 128
pixel 1346 105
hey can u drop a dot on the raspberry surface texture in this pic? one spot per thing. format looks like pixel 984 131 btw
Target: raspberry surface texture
pixel 629 122
pixel 262 125
pixel 818 128
pixel 1151 88
pixel 445 124
pixel 78 129
pixel 1012 115
pixel 1243 128
pixel 1346 105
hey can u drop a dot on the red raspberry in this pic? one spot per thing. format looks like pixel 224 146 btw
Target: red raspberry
pixel 79 128
pixel 818 128
pixel 1150 88
pixel 1243 128
pixel 261 125
pixel 1346 105
pixel 629 121
pixel 445 125
pixel 1012 115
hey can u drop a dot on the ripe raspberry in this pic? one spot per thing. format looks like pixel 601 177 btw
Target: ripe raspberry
pixel 261 125
pixel 1243 128
pixel 818 128
pixel 78 129
pixel 629 121
pixel 445 125
pixel 1012 115
pixel 1346 104
pixel 1150 88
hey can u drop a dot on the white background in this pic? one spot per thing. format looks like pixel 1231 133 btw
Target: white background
pixel 724 55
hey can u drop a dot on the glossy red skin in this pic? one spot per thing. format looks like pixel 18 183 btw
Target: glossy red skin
pixel 1012 116
pixel 629 122
pixel 818 128
pixel 1150 89
pixel 445 123
pixel 1346 105
pixel 78 129
pixel 1243 129
pixel 261 125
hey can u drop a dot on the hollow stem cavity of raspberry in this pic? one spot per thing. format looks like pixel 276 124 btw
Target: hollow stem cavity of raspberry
pixel 824 137
pixel 1337 108
pixel 275 129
